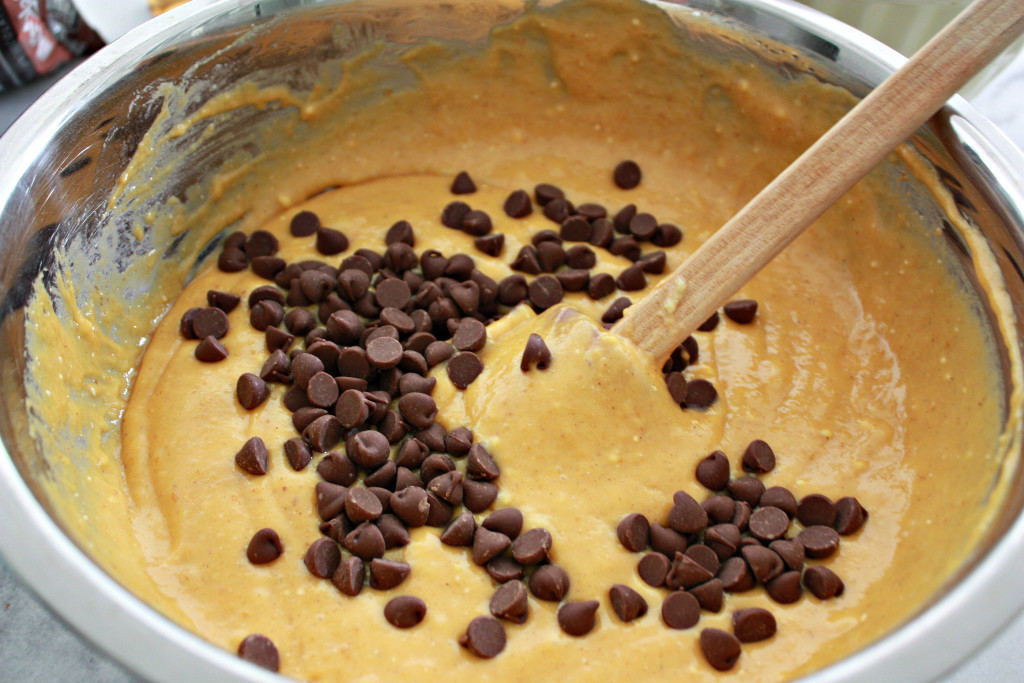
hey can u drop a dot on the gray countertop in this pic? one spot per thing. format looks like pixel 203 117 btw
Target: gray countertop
pixel 36 646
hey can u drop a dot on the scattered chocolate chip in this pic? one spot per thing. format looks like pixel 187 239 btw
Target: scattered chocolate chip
pixel 298 454
pixel 507 521
pixel 253 457
pixel 210 322
pixel 491 244
pixel 667 541
pixel 536 354
pixel 517 205
pixel 653 568
pixel 643 226
pixel 686 515
pixel 768 523
pixel 532 547
pixel 764 562
pixel 503 569
pixel 384 352
pixel 721 649
pixel 741 311
pixel 627 603
pixel 476 223
pixel 627 175
pixel 719 508
pixel 785 588
pixel 736 575
pixel 484 637
pixel 418 409
pixel 758 457
pixel 616 310
pixel 816 509
pixel 509 602
pixel 709 324
pixel 747 489
pixel 575 229
pixel 850 516
pixel 558 209
pixel 387 574
pixel 823 583
pixel 365 541
pixel 405 611
pixel 330 241
pixel 578 618
pixel 478 495
pixel 600 286
pixel 368 449
pixel 260 243
pixel 723 539
pixel 634 532
pixel 488 544
pixel 549 582
pixel 791 551
pixel 545 291
pixel 232 260
pixel 350 576
pixel 464 368
pixel 304 224
pixel 322 433
pixel 411 506
pixel 264 547
pixel 710 595
pixel 209 350
pixel 471 335
pixel 779 497
pixel 680 610
pixel 819 541
pixel 700 393
pixel 685 572
pixel 362 505
pixel 261 651
pixel 713 471
pixel 322 558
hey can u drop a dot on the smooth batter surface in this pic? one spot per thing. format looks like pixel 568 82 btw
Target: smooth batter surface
pixel 867 370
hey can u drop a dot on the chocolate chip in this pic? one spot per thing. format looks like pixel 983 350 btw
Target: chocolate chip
pixel 549 582
pixel 298 454
pixel 575 229
pixel 779 497
pixel 315 285
pixel 432 437
pixel 765 563
pixel 634 532
pixel 484 637
pixel 368 449
pixel 210 322
pixel 667 235
pixel 700 393
pixel 653 262
pixel 362 505
pixel 491 244
pixel 558 209
pixel 460 532
pixel 850 516
pixel 823 582
pixel 632 279
pixel 411 506
pixel 330 241
pixel 785 588
pixel 653 568
pixel 458 442
pixel 768 523
pixel 232 260
pixel 747 489
pixel 545 192
pixel 510 602
pixel 507 521
pixel 210 351
pixel 323 433
pixel 600 286
pixel 488 544
pixel 578 618
pixel 304 224
pixel 264 547
pixel 713 471
pixel 720 648
pixel 741 311
pixel 393 530
pixel 819 541
pixel 709 594
pixel 643 226
pixel 512 290
pixel 758 457
pixel 418 409
pixel 303 417
pixel 477 496
pixel 532 547
pixel 480 465
pixel 574 279
pixel 545 291
pixel 723 539
pixel 352 409
pixel 551 256
pixel 260 243
pixel 627 175
pixel 349 577
pixel 464 368
pixel 704 555
pixel 448 487
pixel 536 354
pixel 266 314
pixel 816 509
pixel 453 213
pixel 676 384
pixel 365 541
pixel 225 301
pixel 384 352
pixel 503 569
pixel 602 232
pixel 278 339
pixel 463 184
pixel 322 390
pixel 405 611
pixel 627 603
pixel 476 223
pixel 680 610
pixel 719 508
pixel 686 515
pixel 791 551
pixel 709 324
pixel 253 457
pixel 322 558
pixel 387 574
pixel 686 572
pixel 667 541
pixel 185 325
pixel 381 482
pixel 261 651
pixel 517 205
pixel 471 335
pixel 736 575
pixel 616 310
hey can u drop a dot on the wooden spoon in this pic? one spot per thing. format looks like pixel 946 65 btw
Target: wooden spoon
pixel 822 174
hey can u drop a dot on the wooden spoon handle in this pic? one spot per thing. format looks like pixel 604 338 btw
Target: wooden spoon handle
pixel 812 183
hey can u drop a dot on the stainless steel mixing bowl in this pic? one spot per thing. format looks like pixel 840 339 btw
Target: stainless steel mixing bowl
pixel 63 158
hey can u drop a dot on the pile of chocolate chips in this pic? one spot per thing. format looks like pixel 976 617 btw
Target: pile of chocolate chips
pixel 370 330
pixel 734 540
